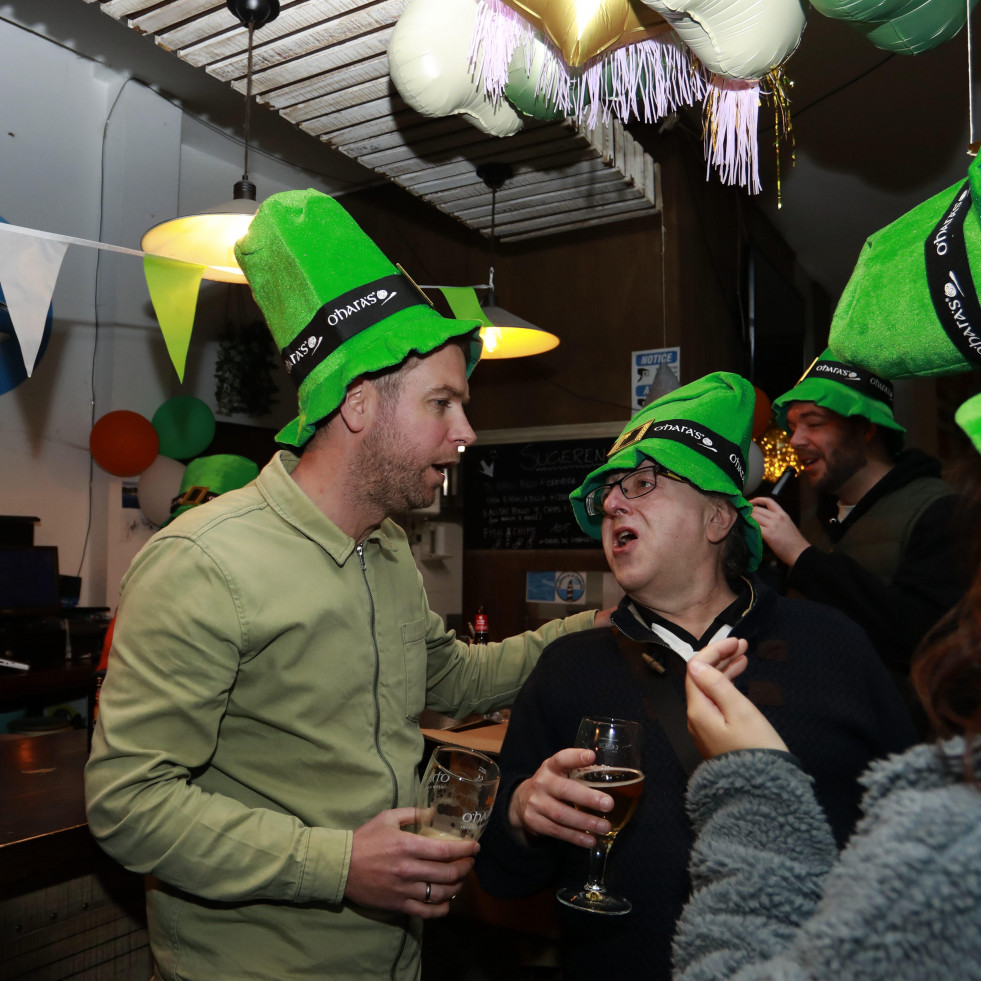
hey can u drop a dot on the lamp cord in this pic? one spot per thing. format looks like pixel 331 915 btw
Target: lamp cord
pixel 248 101
pixel 491 299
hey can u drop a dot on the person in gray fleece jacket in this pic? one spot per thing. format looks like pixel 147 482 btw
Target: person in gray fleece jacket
pixel 771 896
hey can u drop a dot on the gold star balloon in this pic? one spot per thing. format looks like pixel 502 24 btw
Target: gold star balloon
pixel 584 29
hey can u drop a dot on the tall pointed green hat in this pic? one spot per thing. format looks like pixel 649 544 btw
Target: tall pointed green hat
pixel 702 432
pixel 847 390
pixel 911 308
pixel 336 306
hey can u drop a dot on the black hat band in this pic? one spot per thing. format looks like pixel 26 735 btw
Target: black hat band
pixel 725 454
pixel 858 379
pixel 344 317
pixel 952 291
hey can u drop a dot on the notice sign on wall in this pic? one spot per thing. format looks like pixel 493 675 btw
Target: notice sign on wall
pixel 653 373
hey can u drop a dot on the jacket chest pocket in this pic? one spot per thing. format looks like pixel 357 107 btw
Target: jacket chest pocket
pixel 414 653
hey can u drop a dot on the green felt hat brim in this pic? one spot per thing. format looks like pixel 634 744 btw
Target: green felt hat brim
pixel 683 461
pixel 838 398
pixel 417 330
pixel 885 320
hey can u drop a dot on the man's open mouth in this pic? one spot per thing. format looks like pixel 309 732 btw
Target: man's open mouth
pixel 623 536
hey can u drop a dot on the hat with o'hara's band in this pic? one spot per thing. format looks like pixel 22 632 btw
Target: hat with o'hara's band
pixel 337 308
pixel 701 432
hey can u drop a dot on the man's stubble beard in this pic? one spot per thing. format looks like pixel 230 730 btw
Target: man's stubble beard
pixel 390 482
pixel 843 463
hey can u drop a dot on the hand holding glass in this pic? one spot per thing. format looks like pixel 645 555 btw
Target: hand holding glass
pixel 457 793
pixel 617 772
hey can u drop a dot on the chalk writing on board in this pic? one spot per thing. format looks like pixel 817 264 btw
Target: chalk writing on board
pixel 517 494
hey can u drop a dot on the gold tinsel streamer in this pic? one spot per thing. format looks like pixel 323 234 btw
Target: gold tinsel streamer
pixel 778 454
pixel 777 91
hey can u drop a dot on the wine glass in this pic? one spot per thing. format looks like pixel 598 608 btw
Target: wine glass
pixel 457 793
pixel 616 771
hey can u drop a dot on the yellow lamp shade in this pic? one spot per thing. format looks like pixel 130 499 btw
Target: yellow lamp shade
pixel 508 336
pixel 207 238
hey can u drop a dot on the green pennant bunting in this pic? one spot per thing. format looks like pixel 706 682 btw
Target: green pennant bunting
pixel 173 289
pixel 464 303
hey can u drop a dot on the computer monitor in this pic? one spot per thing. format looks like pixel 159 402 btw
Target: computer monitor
pixel 29 580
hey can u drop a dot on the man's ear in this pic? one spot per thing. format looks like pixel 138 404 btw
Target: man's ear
pixel 356 408
pixel 722 517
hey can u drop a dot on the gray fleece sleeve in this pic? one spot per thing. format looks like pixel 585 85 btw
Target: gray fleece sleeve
pixel 763 849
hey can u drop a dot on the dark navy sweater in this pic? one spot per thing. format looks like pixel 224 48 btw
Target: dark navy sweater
pixel 816 678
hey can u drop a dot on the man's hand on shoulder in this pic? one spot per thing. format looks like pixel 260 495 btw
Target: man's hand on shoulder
pixel 603 618
pixel 392 868
pixel 779 531
pixel 545 804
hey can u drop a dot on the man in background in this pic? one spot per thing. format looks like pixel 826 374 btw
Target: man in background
pixel 681 541
pixel 258 740
pixel 889 558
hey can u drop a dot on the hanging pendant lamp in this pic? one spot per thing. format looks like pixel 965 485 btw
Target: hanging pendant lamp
pixel 208 237
pixel 508 335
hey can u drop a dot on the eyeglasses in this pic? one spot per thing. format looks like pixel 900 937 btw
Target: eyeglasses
pixel 635 484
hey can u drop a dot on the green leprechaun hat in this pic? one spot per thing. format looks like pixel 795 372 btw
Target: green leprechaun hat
pixel 702 432
pixel 911 308
pixel 206 477
pixel 847 390
pixel 336 306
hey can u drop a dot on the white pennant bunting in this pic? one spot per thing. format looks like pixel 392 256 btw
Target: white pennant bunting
pixel 29 268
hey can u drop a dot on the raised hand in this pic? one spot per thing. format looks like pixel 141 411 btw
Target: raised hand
pixel 720 718
pixel 779 531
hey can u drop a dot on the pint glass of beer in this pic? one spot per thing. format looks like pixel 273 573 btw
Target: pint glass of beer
pixel 457 793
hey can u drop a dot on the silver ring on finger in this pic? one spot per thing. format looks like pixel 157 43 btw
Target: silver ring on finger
pixel 429 892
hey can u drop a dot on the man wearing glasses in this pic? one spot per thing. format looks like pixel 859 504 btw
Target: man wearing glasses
pixel 680 538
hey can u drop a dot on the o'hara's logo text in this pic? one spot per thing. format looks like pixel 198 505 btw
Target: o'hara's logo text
pixel 940 239
pixel 695 434
pixel 835 370
pixel 339 314
pixel 958 314
pixel 881 386
pixel 307 346
pixel 737 462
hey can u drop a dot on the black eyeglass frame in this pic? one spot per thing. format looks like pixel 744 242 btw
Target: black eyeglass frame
pixel 596 498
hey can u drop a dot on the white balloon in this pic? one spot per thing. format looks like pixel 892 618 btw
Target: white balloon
pixel 427 58
pixel 158 485
pixel 738 39
pixel 754 469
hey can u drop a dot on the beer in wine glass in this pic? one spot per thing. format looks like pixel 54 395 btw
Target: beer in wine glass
pixel 617 771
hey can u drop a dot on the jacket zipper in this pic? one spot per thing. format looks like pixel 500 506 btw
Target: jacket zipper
pixel 377 675
pixel 377 734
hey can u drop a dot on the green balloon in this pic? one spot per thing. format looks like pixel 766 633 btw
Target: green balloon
pixel 520 92
pixel 186 427
pixel 918 26
pixel 859 10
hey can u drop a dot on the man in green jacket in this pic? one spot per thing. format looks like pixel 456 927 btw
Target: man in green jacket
pixel 258 737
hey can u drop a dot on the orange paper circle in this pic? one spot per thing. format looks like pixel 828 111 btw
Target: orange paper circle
pixel 124 443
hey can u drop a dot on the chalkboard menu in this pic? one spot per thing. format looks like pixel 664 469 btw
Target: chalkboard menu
pixel 517 494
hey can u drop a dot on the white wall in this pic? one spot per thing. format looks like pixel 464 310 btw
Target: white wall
pixel 87 152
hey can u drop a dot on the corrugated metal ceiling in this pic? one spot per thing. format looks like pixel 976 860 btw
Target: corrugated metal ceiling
pixel 323 65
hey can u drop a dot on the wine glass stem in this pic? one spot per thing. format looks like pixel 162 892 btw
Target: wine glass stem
pixel 596 873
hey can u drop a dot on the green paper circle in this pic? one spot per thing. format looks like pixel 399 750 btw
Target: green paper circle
pixel 186 427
